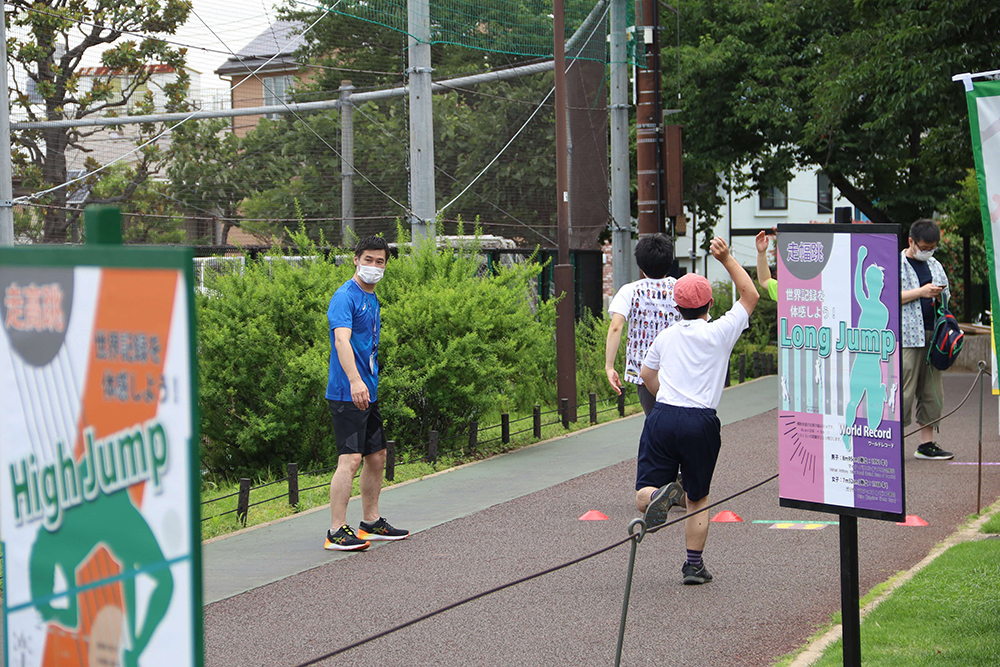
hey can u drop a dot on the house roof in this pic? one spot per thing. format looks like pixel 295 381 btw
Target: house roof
pixel 278 40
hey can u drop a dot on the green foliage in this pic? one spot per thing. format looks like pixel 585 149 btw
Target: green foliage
pixel 45 44
pixel 591 336
pixel 762 334
pixel 944 615
pixel 147 215
pixel 263 350
pixel 992 525
pixel 961 218
pixel 458 344
pixel 861 89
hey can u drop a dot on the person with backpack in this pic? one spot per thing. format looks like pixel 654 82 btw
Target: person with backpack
pixel 922 281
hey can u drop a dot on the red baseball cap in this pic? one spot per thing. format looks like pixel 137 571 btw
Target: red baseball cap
pixel 692 291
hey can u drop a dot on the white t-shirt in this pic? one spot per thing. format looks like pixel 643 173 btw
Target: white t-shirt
pixel 692 356
pixel 648 307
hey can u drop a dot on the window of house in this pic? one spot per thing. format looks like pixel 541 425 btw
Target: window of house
pixel 277 90
pixel 824 194
pixel 774 199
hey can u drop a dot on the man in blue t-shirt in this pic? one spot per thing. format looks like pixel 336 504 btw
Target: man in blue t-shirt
pixel 355 322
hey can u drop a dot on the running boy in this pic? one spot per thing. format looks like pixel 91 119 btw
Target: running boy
pixel 686 369
pixel 648 306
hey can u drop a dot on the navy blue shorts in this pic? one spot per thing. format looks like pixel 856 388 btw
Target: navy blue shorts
pixel 357 431
pixel 675 438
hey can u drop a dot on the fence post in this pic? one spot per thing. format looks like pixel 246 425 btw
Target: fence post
pixel 756 364
pixel 432 447
pixel 390 460
pixel 536 417
pixel 243 502
pixel 293 484
pixel 505 428
pixel 564 411
pixel 774 364
pixel 743 367
pixel 473 435
pixel 621 404
pixel 593 408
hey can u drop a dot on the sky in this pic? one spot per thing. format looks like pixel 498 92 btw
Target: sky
pixel 218 27
pixel 222 25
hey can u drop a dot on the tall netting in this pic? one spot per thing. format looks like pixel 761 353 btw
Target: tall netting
pixel 251 179
pixel 522 29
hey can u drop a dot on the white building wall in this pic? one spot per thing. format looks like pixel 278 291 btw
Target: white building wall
pixel 744 213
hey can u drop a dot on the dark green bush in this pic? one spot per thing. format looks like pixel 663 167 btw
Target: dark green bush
pixel 456 346
pixel 263 352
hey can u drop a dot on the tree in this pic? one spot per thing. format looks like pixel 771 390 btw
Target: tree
pixel 149 216
pixel 860 89
pixel 48 42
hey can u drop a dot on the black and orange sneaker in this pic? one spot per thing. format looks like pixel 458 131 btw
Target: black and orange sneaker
pixel 344 540
pixel 381 530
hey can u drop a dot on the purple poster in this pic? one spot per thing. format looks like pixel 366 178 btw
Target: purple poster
pixel 840 436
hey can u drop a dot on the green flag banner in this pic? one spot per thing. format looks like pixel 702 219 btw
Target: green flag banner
pixel 983 98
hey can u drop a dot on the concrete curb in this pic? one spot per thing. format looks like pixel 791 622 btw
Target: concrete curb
pixel 814 651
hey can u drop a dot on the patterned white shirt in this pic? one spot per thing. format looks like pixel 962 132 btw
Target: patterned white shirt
pixel 648 307
pixel 913 316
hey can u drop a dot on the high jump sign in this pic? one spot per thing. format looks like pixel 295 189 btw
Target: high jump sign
pixel 840 435
pixel 98 456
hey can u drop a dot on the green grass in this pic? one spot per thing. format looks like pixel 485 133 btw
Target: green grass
pixel 992 525
pixel 947 615
pixel 214 525
pixel 835 620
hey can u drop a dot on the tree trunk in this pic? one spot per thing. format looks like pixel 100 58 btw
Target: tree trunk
pixel 858 198
pixel 53 174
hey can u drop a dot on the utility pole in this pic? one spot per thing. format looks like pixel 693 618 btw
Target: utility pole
pixel 6 170
pixel 621 223
pixel 346 164
pixel 423 209
pixel 649 119
pixel 564 283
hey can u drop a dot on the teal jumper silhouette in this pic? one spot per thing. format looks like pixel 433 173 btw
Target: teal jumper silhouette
pixel 866 372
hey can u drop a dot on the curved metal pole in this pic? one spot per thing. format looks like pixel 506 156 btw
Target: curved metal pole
pixel 628 583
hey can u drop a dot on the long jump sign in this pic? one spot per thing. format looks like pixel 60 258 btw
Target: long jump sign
pixel 840 436
pixel 98 458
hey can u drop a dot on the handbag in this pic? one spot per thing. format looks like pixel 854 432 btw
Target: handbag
pixel 948 338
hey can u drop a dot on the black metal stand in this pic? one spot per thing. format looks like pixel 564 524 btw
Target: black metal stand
pixel 849 590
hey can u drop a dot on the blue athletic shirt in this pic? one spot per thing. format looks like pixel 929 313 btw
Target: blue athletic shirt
pixel 360 311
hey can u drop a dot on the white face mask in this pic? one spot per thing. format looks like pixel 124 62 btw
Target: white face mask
pixel 370 274
pixel 922 255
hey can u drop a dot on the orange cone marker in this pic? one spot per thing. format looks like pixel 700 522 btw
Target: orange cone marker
pixel 726 516
pixel 912 520
pixel 594 515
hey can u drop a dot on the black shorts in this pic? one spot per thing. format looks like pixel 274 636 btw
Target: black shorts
pixel 357 431
pixel 675 438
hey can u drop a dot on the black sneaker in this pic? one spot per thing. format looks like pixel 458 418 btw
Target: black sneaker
pixel 930 450
pixel 381 530
pixel 344 540
pixel 660 503
pixel 693 575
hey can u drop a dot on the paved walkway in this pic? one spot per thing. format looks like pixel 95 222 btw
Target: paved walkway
pixel 270 553
pixel 276 598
